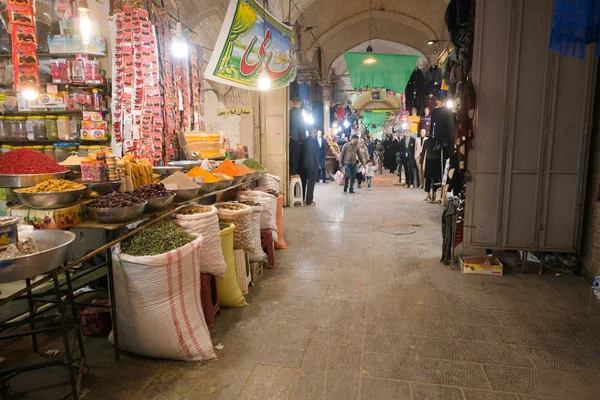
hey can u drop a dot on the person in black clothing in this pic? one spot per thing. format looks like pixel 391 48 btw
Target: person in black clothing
pixel 322 152
pixel 389 156
pixel 433 167
pixel 310 163
pixel 297 136
pixel 406 154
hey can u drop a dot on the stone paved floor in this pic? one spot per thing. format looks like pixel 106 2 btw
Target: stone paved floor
pixel 353 312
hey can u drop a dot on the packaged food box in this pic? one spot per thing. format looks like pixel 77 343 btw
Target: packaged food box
pixel 96 320
pixel 481 265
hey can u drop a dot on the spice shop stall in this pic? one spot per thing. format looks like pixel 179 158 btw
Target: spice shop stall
pixel 133 199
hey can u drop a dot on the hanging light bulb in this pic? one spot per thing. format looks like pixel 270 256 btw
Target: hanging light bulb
pixel 179 46
pixel 85 28
pixel 450 104
pixel 264 81
pixel 308 118
pixel 346 124
pixel 30 93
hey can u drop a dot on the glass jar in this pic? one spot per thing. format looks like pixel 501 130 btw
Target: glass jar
pixel 39 148
pixel 37 126
pixel 61 153
pixel 75 124
pixel 83 151
pixel 8 127
pixel 87 171
pixel 20 128
pixel 6 148
pixel 49 151
pixel 2 128
pixel 63 125
pixel 51 128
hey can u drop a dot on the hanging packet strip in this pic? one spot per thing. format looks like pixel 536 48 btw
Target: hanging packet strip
pixel 24 43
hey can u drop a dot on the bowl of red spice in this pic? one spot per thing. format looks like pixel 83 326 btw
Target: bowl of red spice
pixel 26 167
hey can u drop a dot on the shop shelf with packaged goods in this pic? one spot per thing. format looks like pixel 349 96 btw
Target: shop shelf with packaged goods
pixel 78 141
pixel 38 112
pixel 58 55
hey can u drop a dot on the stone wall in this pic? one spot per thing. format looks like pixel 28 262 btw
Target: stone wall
pixel 590 243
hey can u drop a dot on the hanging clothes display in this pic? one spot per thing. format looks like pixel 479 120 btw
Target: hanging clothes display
pixel 415 91
pixel 434 80
pixel 466 112
pixel 442 126
pixel 574 25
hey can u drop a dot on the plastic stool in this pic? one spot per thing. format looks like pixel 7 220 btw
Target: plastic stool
pixel 208 298
pixel 296 195
pixel 266 240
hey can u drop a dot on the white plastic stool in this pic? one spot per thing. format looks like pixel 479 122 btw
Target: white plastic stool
pixel 295 191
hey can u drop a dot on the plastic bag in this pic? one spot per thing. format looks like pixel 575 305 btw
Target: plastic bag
pixel 160 313
pixel 228 290
pixel 269 203
pixel 339 178
pixel 207 225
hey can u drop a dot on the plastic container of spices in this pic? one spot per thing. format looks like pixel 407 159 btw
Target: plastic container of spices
pixel 39 149
pixel 2 128
pixel 36 128
pixel 20 128
pixel 87 171
pixel 51 128
pixel 63 127
pixel 83 151
pixel 49 151
pixel 100 174
pixel 6 148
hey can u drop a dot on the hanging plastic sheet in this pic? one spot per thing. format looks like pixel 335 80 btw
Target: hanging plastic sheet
pixel 376 70
pixel 575 24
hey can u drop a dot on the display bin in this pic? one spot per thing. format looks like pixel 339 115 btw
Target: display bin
pixel 58 218
pixel 478 266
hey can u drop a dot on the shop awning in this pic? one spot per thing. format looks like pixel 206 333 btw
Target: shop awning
pixel 374 118
pixel 376 70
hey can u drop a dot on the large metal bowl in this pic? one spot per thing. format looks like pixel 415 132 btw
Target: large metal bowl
pixel 74 172
pixel 166 170
pixel 21 181
pixel 118 214
pixel 224 184
pixel 159 203
pixel 208 187
pixel 52 245
pixel 185 164
pixel 238 179
pixel 96 189
pixel 51 199
pixel 182 195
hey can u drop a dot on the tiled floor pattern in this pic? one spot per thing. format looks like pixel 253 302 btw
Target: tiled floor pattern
pixel 352 312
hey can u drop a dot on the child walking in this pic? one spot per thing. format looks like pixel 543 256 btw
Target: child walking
pixel 369 173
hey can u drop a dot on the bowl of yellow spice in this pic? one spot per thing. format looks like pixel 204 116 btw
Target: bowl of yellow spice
pixel 207 181
pixel 53 193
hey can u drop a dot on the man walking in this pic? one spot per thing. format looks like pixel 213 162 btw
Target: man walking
pixel 405 161
pixel 310 162
pixel 351 154
pixel 322 152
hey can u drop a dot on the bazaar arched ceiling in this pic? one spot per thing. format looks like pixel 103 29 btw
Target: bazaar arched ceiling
pixel 343 24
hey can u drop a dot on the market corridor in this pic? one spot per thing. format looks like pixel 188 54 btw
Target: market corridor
pixel 360 307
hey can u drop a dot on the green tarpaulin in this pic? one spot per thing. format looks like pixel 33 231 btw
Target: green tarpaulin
pixel 389 71
pixel 374 118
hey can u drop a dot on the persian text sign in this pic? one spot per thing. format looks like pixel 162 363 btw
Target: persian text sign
pixel 234 112
pixel 252 42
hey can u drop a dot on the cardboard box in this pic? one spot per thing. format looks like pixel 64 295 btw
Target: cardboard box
pixel 96 320
pixel 59 218
pixel 480 265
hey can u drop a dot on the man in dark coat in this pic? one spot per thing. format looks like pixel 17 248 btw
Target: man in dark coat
pixel 297 136
pixel 310 163
pixel 405 160
pixel 322 153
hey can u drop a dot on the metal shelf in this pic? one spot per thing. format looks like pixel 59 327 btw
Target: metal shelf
pixel 25 142
pixel 36 112
pixel 57 55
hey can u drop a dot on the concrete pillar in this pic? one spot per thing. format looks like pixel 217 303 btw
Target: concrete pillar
pixel 274 134
pixel 326 109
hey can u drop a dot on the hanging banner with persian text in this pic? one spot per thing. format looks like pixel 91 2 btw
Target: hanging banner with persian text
pixel 252 42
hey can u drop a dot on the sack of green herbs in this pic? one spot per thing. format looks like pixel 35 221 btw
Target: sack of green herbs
pixel 157 288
